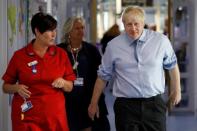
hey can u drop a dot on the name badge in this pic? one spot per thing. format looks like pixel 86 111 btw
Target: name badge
pixel 26 106
pixel 33 63
pixel 79 82
pixel 33 66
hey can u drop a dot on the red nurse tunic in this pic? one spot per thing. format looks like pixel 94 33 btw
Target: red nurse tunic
pixel 48 112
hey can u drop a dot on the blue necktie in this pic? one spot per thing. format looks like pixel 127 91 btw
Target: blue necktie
pixel 135 49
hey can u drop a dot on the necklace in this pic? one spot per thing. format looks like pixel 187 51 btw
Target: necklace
pixel 75 49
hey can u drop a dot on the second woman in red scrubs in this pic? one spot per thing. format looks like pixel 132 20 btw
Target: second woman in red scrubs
pixel 37 75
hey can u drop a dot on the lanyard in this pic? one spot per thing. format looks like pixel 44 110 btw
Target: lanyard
pixel 76 63
pixel 75 52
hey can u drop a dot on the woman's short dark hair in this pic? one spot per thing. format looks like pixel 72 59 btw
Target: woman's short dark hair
pixel 43 22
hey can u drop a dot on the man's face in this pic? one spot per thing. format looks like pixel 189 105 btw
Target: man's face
pixel 133 26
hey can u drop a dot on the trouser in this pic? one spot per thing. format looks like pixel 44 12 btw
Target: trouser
pixel 140 114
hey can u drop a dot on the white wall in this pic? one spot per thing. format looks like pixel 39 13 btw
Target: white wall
pixel 61 17
pixel 4 107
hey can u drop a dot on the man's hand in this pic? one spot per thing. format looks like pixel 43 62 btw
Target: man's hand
pixel 93 110
pixel 175 87
pixel 174 98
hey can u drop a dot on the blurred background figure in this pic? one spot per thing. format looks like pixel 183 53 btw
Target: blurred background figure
pixel 153 27
pixel 85 59
pixel 166 26
pixel 181 56
pixel 109 35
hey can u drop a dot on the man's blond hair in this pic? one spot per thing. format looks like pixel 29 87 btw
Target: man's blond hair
pixel 135 11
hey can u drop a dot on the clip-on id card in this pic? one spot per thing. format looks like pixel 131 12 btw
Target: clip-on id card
pixel 26 106
pixel 79 81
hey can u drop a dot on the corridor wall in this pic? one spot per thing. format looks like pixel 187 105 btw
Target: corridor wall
pixel 4 99
pixel 12 37
pixel 184 41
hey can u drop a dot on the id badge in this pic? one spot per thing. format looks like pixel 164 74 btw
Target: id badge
pixel 78 82
pixel 26 106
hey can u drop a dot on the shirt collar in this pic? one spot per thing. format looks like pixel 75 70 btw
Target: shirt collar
pixel 30 52
pixel 141 39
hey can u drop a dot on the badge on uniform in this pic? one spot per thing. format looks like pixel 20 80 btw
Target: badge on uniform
pixel 33 66
pixel 79 82
pixel 26 106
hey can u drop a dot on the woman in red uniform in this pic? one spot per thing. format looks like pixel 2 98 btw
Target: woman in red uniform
pixel 37 75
